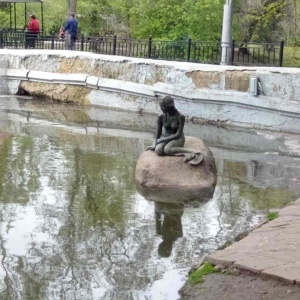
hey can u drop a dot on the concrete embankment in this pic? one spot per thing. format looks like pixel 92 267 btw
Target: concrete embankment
pixel 272 249
pixel 202 92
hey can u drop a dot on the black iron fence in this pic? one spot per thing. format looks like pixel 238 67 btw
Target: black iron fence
pixel 234 53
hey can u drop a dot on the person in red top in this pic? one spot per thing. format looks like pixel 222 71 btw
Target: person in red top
pixel 33 30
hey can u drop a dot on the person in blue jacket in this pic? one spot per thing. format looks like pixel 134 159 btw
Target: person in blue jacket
pixel 72 28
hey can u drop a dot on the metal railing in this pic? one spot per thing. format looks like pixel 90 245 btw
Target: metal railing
pixel 255 54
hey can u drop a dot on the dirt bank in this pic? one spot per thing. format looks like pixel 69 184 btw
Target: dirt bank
pixel 239 285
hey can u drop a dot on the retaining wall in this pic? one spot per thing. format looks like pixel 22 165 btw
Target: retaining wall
pixel 202 92
pixel 3 81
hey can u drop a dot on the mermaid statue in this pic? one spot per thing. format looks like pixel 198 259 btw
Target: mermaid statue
pixel 169 139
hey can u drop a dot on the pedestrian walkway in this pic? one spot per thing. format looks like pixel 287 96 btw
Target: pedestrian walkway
pixel 272 249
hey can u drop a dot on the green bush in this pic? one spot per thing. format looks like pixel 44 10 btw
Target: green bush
pixel 291 57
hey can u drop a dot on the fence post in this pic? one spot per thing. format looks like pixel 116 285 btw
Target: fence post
pixel 189 49
pixel 115 45
pixel 149 46
pixel 281 53
pixel 52 40
pixel 82 42
pixel 232 52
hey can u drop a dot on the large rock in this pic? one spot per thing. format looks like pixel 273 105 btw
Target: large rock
pixel 169 179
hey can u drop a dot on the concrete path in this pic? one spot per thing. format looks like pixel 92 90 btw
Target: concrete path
pixel 272 249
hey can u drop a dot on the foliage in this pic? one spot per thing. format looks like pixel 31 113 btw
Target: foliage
pixel 258 19
pixel 253 20
pixel 172 19
pixel 266 198
pixel 291 57
pixel 272 215
pixel 198 275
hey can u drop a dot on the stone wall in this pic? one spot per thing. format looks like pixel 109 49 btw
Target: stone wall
pixel 204 93
pixel 3 81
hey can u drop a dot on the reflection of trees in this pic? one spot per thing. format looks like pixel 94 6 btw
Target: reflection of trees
pixel 94 231
pixel 19 171
pixel 94 239
pixel 234 212
pixel 239 201
pixel 93 223
pixel 18 178
pixel 8 292
pixel 105 179
pixel 266 198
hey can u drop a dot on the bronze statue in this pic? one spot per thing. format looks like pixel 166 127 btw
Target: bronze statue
pixel 170 138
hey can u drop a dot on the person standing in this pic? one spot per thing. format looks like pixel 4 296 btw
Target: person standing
pixel 33 30
pixel 72 28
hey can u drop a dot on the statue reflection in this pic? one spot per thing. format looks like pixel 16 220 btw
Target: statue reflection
pixel 169 206
pixel 168 225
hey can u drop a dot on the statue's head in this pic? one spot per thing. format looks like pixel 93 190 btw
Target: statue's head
pixel 166 102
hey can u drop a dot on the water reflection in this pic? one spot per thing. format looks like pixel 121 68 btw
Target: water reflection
pixel 73 226
pixel 169 204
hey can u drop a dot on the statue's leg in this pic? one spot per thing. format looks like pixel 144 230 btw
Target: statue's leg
pixel 176 148
pixel 159 149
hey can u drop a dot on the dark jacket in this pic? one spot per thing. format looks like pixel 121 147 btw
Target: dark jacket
pixel 71 27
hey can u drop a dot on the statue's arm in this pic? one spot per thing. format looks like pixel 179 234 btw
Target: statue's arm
pixel 175 136
pixel 158 132
pixel 159 128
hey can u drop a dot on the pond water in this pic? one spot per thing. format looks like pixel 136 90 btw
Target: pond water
pixel 73 226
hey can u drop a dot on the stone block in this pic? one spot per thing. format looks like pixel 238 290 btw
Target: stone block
pixel 3 68
pixel 225 263
pixel 3 72
pixel 40 76
pixel 287 272
pixel 17 74
pixel 257 264
pixel 204 79
pixel 92 82
pixel 237 80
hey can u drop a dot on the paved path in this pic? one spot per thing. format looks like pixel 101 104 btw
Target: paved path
pixel 272 249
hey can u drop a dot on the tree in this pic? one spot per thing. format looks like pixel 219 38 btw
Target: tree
pixel 72 5
pixel 259 19
pixel 172 19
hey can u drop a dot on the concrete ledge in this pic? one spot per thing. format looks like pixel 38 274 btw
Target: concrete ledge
pixel 160 89
pixel 114 85
pixel 39 76
pixel 17 74
pixel 92 82
pixel 76 79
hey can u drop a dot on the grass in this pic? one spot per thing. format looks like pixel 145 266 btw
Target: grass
pixel 291 57
pixel 198 275
pixel 272 215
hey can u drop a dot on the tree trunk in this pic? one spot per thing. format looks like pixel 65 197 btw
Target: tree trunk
pixel 72 4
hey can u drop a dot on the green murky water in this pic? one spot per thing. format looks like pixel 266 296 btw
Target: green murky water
pixel 73 226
